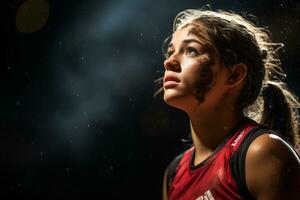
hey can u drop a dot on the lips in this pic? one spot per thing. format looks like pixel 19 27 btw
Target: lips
pixel 170 82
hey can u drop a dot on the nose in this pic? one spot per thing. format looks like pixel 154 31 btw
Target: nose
pixel 172 64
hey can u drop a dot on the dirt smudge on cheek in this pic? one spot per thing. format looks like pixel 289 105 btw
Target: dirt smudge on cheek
pixel 206 79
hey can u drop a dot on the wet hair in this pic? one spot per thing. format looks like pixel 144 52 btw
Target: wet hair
pixel 265 97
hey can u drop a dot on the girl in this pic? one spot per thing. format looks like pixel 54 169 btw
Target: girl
pixel 222 71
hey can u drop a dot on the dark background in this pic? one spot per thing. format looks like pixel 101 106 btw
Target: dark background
pixel 78 117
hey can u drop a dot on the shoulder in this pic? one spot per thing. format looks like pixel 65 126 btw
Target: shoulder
pixel 269 145
pixel 272 168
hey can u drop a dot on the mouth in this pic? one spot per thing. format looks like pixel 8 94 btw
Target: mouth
pixel 170 82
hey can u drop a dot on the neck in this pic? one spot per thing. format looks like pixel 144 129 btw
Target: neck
pixel 209 130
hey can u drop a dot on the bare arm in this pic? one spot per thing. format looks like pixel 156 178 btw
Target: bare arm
pixel 272 169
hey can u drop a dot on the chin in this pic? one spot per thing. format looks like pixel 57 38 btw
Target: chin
pixel 181 102
pixel 170 98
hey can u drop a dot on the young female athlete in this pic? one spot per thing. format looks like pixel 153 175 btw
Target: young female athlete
pixel 223 72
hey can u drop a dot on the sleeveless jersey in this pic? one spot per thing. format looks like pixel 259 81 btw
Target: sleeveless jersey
pixel 212 179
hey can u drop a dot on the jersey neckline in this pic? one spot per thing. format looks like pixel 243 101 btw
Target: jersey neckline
pixel 239 125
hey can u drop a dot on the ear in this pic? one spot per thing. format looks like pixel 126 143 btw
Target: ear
pixel 236 74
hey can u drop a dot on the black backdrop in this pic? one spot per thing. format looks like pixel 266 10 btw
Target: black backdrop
pixel 78 117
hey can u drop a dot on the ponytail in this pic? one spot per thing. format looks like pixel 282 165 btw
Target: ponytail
pixel 280 111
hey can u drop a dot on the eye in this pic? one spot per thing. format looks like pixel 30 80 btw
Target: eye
pixel 168 54
pixel 191 51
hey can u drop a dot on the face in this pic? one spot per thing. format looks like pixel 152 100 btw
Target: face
pixel 193 75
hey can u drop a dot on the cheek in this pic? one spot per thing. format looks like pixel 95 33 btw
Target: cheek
pixel 191 72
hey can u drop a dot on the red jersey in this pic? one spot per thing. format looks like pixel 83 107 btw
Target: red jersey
pixel 212 179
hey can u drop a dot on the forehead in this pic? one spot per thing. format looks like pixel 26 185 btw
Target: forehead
pixel 190 32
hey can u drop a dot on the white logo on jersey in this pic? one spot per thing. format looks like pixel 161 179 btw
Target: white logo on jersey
pixel 238 139
pixel 206 196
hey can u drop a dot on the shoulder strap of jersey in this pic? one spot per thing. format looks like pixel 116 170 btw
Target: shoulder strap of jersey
pixel 171 170
pixel 237 160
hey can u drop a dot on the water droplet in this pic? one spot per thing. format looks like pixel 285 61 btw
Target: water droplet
pixel 111 168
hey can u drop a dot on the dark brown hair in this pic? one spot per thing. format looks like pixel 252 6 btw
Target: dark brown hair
pixel 265 97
